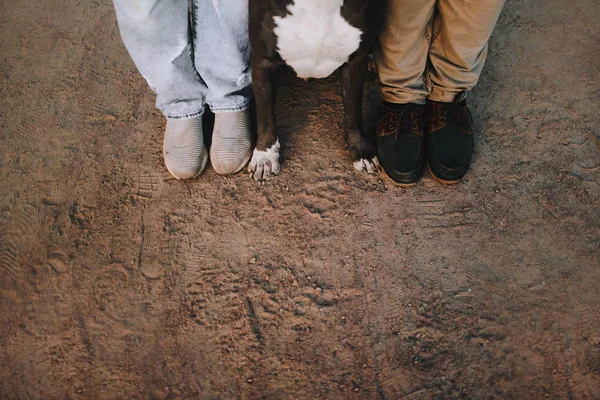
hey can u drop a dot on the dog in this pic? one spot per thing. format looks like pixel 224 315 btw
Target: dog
pixel 314 38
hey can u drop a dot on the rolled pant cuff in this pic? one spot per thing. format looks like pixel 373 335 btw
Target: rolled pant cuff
pixel 403 98
pixel 444 95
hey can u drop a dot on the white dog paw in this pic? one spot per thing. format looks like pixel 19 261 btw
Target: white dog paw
pixel 371 166
pixel 265 163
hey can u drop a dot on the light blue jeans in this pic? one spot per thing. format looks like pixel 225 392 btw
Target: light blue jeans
pixel 191 52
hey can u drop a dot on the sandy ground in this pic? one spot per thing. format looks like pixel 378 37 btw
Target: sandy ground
pixel 118 281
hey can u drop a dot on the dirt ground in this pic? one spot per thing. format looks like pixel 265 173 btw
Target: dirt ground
pixel 119 282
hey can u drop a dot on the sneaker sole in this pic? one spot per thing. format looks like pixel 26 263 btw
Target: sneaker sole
pixel 440 180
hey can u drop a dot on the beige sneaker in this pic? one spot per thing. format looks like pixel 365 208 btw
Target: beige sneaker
pixel 183 147
pixel 231 143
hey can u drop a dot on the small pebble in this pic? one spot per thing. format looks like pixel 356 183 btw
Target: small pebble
pixel 252 260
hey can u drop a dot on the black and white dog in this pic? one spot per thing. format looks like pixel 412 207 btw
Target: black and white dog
pixel 314 38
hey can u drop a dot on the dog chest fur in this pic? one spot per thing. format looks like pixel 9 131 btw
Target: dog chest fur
pixel 314 39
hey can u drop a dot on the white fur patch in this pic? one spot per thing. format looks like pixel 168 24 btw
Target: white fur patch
pixel 265 163
pixel 315 39
pixel 371 166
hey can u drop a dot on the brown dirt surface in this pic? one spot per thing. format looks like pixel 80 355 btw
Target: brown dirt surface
pixel 119 282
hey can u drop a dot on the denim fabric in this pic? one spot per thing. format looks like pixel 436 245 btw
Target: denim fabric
pixel 190 56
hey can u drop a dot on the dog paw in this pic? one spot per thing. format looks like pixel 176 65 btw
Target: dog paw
pixel 371 166
pixel 265 163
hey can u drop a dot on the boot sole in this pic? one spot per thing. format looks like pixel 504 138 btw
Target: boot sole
pixel 393 182
pixel 440 180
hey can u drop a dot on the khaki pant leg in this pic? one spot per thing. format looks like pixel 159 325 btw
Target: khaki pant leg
pixel 459 50
pixel 401 53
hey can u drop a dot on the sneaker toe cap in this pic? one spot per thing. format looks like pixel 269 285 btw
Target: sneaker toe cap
pixel 231 142
pixel 184 164
pixel 229 155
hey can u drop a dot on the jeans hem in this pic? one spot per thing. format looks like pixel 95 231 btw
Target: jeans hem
pixel 184 116
pixel 230 109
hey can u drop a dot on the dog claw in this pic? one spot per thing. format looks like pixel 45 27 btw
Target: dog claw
pixel 265 164
pixel 371 166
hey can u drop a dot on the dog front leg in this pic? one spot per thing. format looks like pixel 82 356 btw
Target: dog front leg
pixel 265 159
pixel 353 75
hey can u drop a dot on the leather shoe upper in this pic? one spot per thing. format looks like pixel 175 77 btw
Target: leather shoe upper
pixel 449 139
pixel 400 142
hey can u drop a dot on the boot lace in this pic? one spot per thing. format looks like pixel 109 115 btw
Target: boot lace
pixel 411 120
pixel 450 112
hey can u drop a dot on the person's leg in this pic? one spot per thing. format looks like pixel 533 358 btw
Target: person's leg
pixel 458 53
pixel 401 57
pixel 222 52
pixel 456 59
pixel 222 58
pixel 157 36
pixel 401 53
